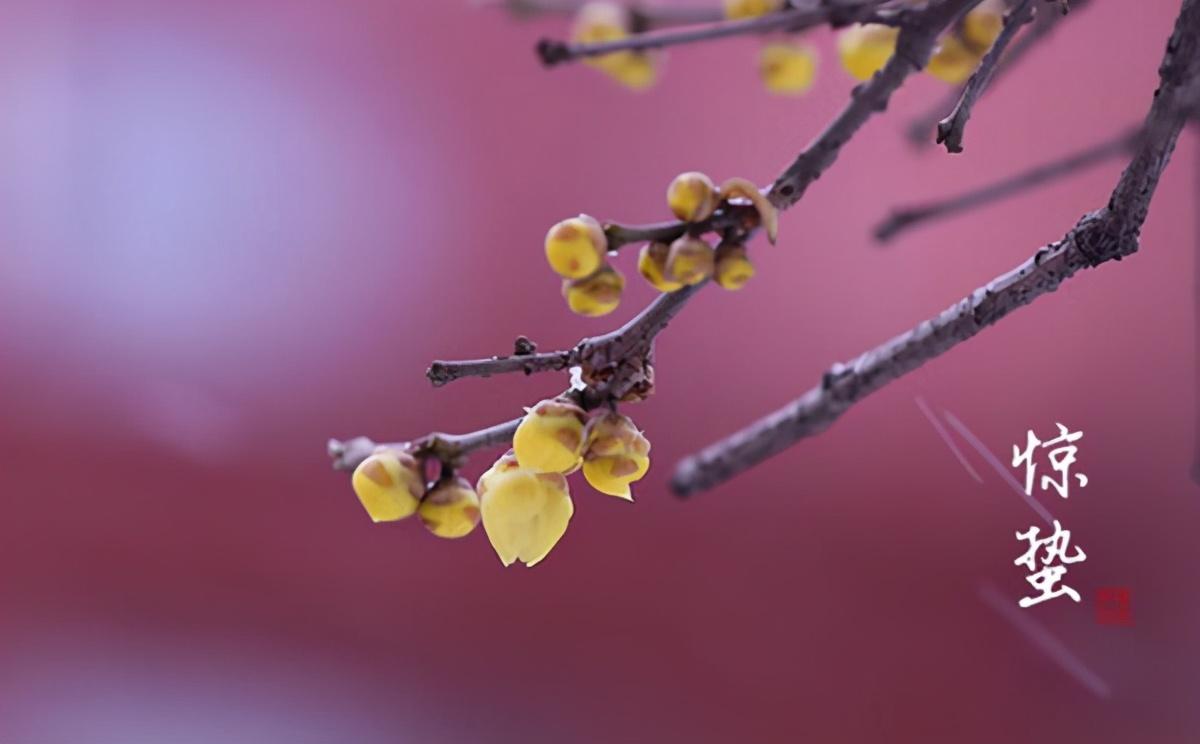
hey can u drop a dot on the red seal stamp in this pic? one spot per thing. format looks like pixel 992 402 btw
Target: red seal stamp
pixel 1114 606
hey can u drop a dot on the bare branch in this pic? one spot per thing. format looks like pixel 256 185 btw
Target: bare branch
pixel 905 217
pixel 448 448
pixel 642 17
pixel 633 338
pixel 1107 234
pixel 922 127
pixel 791 20
pixel 918 34
pixel 441 373
pixel 950 129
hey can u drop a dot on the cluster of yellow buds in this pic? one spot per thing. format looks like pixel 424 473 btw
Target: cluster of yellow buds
pixel 785 68
pixel 599 22
pixel 865 48
pixel 577 248
pixel 526 501
pixel 391 486
pixel 689 260
pixel 556 436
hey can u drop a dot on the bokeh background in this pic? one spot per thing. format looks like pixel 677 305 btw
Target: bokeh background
pixel 231 230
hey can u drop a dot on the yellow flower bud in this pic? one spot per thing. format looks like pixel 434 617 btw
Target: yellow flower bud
pixel 595 295
pixel 597 23
pixel 612 475
pixel 787 68
pixel 690 260
pixel 635 70
pixel 692 196
pixel 450 509
pixel 865 48
pixel 550 437
pixel 389 484
pixel 615 455
pixel 506 463
pixel 652 264
pixel 524 513
pixel 600 22
pixel 735 9
pixel 982 25
pixel 575 248
pixel 733 268
pixel 953 62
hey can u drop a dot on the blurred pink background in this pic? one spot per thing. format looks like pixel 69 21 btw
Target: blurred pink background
pixel 231 230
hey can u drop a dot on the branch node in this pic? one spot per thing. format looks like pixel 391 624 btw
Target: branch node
pixel 523 347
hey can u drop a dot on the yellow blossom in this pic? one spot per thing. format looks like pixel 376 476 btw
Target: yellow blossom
pixel 389 484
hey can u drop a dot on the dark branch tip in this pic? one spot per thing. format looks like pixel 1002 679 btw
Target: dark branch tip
pixel 894 223
pixel 439 374
pixel 949 133
pixel 552 52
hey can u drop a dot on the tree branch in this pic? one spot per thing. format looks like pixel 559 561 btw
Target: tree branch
pixel 1107 234
pixel 642 17
pixel 741 218
pixel 448 448
pixel 914 47
pixel 633 338
pixel 441 373
pixel 618 364
pixel 553 52
pixel 918 34
pixel 921 127
pixel 905 217
pixel 950 129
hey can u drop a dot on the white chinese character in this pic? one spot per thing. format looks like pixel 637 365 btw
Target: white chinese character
pixel 1056 550
pixel 1061 460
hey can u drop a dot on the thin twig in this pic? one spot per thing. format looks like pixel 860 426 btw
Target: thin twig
pixel 950 129
pixel 441 373
pixel 630 339
pixel 1107 234
pixel 738 217
pixel 553 52
pixel 905 217
pixel 642 17
pixel 922 128
pixel 448 448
